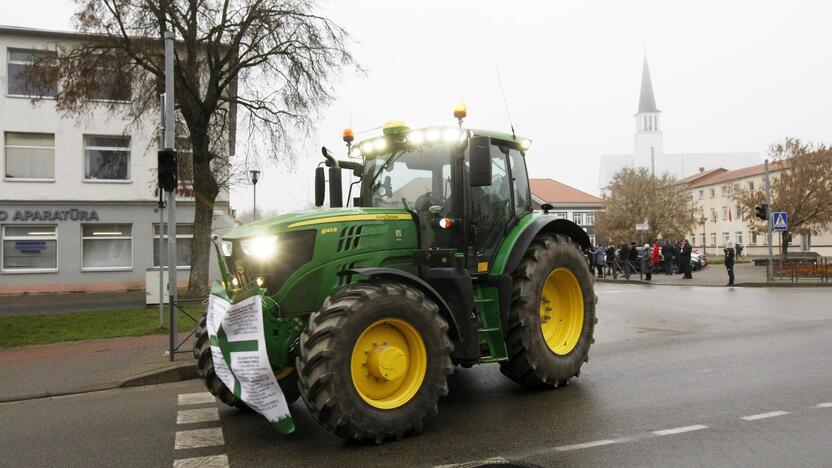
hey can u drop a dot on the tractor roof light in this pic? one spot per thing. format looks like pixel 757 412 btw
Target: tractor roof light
pixel 525 143
pixel 348 136
pixel 395 127
pixel 460 110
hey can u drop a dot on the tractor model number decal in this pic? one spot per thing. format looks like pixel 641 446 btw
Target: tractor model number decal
pixel 238 265
pixel 328 230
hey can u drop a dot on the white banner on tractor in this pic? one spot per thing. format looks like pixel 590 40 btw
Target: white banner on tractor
pixel 238 348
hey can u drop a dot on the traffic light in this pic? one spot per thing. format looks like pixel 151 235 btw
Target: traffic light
pixel 166 167
pixel 761 211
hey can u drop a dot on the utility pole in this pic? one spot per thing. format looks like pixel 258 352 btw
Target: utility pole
pixel 768 223
pixel 170 144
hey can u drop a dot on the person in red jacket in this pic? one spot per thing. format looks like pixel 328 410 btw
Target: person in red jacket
pixel 656 256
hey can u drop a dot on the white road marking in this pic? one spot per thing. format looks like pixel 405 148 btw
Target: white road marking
pixel 495 460
pixel 825 405
pixel 680 430
pixel 214 461
pixel 192 416
pixel 195 398
pixel 773 414
pixel 198 438
pixel 597 443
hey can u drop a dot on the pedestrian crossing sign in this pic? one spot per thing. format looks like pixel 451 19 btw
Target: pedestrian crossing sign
pixel 780 220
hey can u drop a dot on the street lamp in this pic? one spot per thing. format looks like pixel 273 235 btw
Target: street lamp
pixel 702 221
pixel 255 176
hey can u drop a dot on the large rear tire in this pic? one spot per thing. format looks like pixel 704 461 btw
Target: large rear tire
pixel 288 380
pixel 550 326
pixel 374 361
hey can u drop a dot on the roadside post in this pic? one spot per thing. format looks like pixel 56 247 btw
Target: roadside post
pixel 169 146
pixel 768 223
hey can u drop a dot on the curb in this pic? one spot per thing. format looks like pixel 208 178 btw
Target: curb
pixel 740 285
pixel 181 372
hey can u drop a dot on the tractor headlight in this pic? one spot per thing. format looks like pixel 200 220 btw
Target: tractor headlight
pixel 260 247
pixel 227 248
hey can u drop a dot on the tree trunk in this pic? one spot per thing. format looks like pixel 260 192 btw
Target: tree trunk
pixel 205 193
pixel 784 244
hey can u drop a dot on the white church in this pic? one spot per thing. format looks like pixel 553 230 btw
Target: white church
pixel 649 152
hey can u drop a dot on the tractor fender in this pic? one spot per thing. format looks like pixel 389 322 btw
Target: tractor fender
pixel 544 224
pixel 416 282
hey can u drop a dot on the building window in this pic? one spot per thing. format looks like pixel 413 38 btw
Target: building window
pixel 30 156
pixel 806 241
pixel 701 194
pixel 702 239
pixel 578 217
pixel 751 186
pixel 19 84
pixel 723 191
pixel 592 239
pixel 739 237
pixel 740 212
pixel 560 214
pixel 726 238
pixel 589 218
pixel 107 246
pixel 725 213
pixel 713 193
pixel 753 238
pixel 713 238
pixel 112 85
pixel 713 215
pixel 30 248
pixel 184 241
pixel 106 157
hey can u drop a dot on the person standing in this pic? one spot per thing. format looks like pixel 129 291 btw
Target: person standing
pixel 684 258
pixel 600 260
pixel 729 263
pixel 610 254
pixel 647 262
pixel 667 253
pixel 656 256
pixel 624 258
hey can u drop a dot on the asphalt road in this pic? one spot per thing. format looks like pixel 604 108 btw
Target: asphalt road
pixel 680 376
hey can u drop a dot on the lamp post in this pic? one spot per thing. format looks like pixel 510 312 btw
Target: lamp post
pixel 702 221
pixel 255 176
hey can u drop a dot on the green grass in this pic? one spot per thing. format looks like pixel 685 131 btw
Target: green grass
pixel 27 330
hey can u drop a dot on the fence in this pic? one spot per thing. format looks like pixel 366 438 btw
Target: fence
pixel 815 269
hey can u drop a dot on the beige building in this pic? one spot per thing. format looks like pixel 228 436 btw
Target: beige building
pixel 722 220
pixel 568 203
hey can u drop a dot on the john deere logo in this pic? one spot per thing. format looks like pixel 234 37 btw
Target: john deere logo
pixel 238 265
pixel 328 230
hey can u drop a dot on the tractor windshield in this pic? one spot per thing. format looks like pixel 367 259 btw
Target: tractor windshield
pixel 419 175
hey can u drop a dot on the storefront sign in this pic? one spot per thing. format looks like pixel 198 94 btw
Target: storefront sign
pixel 35 247
pixel 73 214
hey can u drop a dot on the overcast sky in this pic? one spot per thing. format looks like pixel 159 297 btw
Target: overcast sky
pixel 728 76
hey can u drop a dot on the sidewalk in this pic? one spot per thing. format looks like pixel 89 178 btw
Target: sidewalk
pixel 711 275
pixel 65 368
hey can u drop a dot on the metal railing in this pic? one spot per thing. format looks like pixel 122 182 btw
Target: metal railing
pixel 811 269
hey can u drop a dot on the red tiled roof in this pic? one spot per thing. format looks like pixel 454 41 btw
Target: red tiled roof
pixel 700 176
pixel 552 191
pixel 738 174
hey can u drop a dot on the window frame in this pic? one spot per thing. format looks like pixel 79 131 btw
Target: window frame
pixel 9 61
pixel 129 151
pixel 119 268
pixel 165 236
pixel 6 177
pixel 4 238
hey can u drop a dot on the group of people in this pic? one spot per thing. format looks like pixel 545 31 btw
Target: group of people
pixel 626 259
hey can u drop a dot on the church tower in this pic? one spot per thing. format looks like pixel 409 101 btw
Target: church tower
pixel 648 137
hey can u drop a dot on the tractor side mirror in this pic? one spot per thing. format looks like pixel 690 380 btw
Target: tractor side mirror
pixel 320 186
pixel 335 193
pixel 480 161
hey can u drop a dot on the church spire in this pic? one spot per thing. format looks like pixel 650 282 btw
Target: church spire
pixel 646 100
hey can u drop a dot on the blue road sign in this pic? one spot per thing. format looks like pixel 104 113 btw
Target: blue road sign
pixel 780 220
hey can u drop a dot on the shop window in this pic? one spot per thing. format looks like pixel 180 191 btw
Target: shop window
pixel 107 246
pixel 19 84
pixel 106 157
pixel 30 156
pixel 184 241
pixel 30 248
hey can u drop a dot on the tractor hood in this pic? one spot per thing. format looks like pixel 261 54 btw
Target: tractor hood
pixel 311 219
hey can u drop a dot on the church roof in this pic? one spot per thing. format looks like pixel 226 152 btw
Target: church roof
pixel 646 100
pixel 554 192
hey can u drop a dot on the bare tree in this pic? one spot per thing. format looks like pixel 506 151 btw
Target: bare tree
pixel 266 63
pixel 636 196
pixel 801 185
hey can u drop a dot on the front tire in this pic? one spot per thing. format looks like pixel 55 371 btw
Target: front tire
pixel 550 326
pixel 374 361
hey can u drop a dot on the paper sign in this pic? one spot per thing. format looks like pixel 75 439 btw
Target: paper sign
pixel 238 347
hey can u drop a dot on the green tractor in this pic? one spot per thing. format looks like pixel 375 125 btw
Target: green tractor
pixel 437 261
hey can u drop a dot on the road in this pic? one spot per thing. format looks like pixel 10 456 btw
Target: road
pixel 679 376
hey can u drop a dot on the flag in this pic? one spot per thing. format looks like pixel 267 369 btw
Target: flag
pixel 730 218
